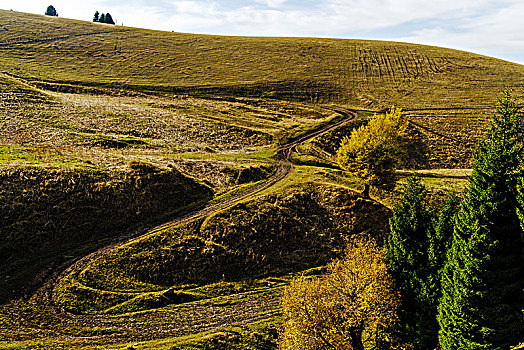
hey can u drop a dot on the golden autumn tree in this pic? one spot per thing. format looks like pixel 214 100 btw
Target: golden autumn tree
pixel 347 308
pixel 375 150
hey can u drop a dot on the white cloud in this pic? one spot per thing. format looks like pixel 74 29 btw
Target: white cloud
pixel 272 3
pixel 498 33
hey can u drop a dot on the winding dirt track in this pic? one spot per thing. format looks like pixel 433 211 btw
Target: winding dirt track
pixel 189 319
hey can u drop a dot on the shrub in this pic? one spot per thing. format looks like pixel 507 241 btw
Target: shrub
pixel 374 151
pixel 348 308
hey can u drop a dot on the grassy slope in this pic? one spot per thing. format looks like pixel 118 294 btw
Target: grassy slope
pixel 355 72
pixel 277 235
pixel 448 93
pixel 49 216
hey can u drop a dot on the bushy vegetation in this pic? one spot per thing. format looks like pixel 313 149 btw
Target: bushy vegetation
pixel 350 307
pixel 374 151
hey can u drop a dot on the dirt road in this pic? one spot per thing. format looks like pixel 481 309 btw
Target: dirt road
pixel 183 319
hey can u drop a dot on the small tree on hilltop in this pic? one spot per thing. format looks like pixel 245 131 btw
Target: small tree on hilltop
pixel 51 11
pixel 109 19
pixel 374 151
pixel 96 17
pixel 102 18
pixel 348 308
pixel 483 280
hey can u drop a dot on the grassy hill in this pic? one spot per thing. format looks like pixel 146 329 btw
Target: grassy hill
pixel 355 72
pixel 447 93
pixel 108 129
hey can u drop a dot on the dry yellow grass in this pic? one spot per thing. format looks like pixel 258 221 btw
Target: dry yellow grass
pixel 354 72
pixel 448 94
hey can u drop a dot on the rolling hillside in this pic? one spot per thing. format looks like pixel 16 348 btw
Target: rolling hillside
pixel 354 72
pixel 447 93
pixel 227 144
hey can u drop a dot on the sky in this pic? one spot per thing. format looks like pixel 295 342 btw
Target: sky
pixel 489 27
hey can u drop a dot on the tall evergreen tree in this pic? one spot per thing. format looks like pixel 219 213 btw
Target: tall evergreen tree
pixel 102 18
pixel 483 280
pixel 96 17
pixel 408 260
pixel 440 242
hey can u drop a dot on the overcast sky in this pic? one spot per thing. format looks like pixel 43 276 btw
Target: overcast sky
pixel 490 27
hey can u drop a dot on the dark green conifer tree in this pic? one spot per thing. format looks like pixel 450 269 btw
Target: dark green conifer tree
pixel 483 281
pixel 440 242
pixel 102 18
pixel 96 17
pixel 408 261
pixel 51 11
pixel 109 19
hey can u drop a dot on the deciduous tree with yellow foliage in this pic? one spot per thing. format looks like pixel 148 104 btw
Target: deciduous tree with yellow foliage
pixel 347 308
pixel 374 151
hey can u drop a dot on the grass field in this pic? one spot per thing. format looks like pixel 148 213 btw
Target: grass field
pixel 107 129
pixel 447 93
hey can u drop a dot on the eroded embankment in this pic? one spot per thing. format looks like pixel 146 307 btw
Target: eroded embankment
pixel 51 215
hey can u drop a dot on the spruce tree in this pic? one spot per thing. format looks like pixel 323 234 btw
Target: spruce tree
pixel 109 19
pixel 102 18
pixel 96 17
pixel 407 257
pixel 440 242
pixel 483 280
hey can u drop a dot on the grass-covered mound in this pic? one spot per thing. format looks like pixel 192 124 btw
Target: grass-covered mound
pixel 277 234
pixel 49 215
